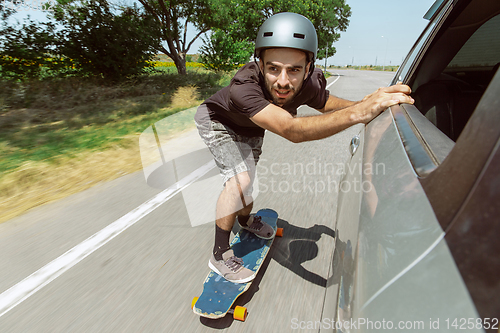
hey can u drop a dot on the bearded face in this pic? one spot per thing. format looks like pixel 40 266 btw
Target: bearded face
pixel 285 70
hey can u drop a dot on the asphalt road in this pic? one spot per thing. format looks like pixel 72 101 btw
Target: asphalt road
pixel 148 259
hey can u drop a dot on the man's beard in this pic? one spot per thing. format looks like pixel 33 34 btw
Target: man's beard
pixel 278 100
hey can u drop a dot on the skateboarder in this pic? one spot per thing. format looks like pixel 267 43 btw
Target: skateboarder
pixel 265 95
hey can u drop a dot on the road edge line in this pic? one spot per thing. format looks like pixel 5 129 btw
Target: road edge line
pixel 21 291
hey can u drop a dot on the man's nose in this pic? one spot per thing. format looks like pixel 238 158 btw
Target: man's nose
pixel 283 79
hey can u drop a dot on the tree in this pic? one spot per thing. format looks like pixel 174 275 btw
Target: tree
pixel 102 43
pixel 329 17
pixel 29 49
pixel 174 16
pixel 229 45
pixel 221 52
pixel 239 19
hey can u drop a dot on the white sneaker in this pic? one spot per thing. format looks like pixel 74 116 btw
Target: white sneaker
pixel 231 268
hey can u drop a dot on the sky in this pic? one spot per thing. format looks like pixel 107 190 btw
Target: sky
pixel 380 32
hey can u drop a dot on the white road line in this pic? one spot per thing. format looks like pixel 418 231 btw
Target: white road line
pixel 36 281
pixel 331 83
pixel 328 86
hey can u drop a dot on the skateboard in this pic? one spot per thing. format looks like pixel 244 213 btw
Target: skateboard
pixel 218 294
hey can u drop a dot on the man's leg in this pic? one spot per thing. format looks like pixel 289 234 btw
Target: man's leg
pixel 236 201
pixel 232 202
pixel 236 158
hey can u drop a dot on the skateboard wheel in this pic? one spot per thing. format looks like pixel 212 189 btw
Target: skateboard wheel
pixel 195 299
pixel 240 313
pixel 279 232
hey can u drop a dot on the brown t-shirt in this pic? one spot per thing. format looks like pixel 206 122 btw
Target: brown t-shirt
pixel 246 95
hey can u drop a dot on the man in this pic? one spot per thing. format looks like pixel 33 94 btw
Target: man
pixel 265 96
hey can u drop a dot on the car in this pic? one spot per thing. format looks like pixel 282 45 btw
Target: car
pixel 419 248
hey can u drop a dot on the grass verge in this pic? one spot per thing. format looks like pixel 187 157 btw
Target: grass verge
pixel 60 137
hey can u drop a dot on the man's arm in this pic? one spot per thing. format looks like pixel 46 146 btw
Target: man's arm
pixel 334 103
pixel 299 129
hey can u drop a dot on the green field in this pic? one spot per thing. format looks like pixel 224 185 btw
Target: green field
pixel 59 136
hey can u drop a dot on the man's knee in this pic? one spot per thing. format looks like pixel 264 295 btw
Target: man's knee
pixel 240 186
pixel 244 183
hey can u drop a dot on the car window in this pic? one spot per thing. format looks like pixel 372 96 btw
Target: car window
pixel 481 50
pixel 449 97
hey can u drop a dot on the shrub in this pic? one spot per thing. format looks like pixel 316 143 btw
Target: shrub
pixel 224 53
pixel 101 43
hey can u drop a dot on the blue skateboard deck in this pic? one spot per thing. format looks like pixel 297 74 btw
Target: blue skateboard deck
pixel 219 294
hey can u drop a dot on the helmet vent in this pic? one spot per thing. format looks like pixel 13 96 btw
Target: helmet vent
pixel 268 34
pixel 301 36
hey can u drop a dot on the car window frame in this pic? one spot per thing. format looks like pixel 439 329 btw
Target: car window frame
pixel 414 57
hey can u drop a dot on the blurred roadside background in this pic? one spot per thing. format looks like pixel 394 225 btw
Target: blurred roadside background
pixel 80 80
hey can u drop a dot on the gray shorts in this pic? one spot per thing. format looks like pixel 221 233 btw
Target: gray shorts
pixel 233 153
